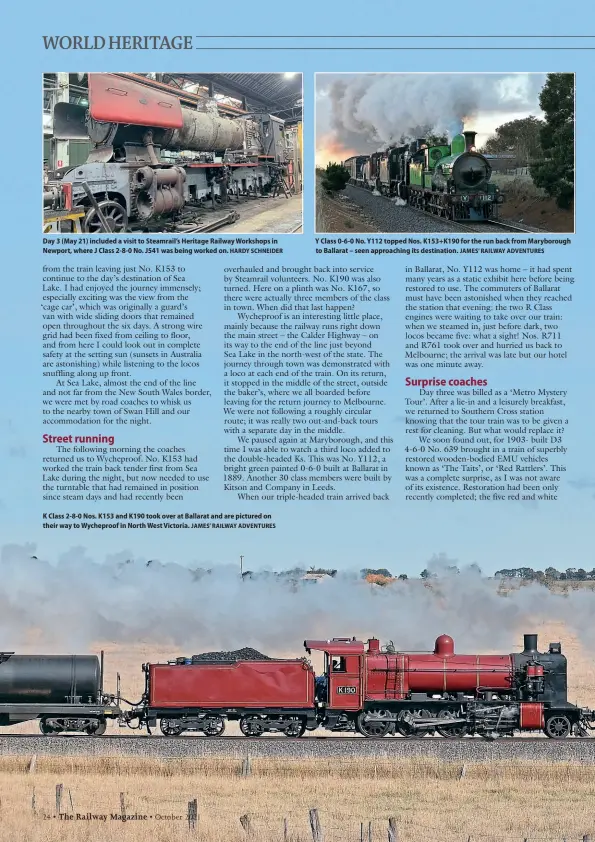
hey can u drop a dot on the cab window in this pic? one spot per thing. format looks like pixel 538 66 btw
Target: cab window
pixel 338 663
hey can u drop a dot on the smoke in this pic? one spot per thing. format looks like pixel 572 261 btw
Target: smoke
pixel 369 109
pixel 77 601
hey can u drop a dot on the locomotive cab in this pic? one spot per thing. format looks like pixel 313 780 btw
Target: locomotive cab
pixel 340 685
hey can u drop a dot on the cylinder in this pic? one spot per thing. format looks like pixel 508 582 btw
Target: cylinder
pixel 51 197
pixel 173 176
pixel 205 132
pixel 529 644
pixel 49 679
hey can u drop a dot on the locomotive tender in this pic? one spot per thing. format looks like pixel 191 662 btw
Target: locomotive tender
pixel 132 172
pixel 451 181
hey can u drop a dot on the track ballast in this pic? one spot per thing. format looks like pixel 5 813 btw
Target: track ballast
pixel 466 750
pixel 392 217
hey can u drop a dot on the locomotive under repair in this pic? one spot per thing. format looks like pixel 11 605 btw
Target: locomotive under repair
pixel 452 181
pixel 155 160
pixel 372 690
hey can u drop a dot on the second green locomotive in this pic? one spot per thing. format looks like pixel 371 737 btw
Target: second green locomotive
pixel 452 181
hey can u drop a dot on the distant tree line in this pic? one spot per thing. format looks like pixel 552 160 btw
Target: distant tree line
pixel 381 573
pixel 383 576
pixel 551 574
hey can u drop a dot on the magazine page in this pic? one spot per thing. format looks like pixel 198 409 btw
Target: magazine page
pixel 297 465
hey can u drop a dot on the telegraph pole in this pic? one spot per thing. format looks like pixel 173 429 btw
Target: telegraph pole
pixel 241 567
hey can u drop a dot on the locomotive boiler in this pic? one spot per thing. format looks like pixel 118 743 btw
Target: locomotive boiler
pixel 153 157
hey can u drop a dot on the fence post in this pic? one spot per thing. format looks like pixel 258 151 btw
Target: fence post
pixel 393 833
pixel 33 801
pixel 369 831
pixel 315 826
pixel 246 767
pixel 122 805
pixel 361 832
pixel 70 799
pixel 286 831
pixel 587 837
pixel 246 823
pixel 59 789
pixel 463 771
pixel 192 814
pixel 32 763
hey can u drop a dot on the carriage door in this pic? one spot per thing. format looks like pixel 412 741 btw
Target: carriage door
pixel 345 682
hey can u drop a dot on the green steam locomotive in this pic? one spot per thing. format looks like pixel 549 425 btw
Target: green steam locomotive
pixel 452 181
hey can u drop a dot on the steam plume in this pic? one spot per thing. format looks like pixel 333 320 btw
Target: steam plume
pixel 78 601
pixel 371 109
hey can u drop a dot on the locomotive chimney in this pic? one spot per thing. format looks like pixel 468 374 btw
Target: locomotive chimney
pixel 530 644
pixel 469 141
pixel 373 646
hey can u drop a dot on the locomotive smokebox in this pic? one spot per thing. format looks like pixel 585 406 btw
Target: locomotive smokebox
pixel 469 141
pixel 530 644
pixel 48 679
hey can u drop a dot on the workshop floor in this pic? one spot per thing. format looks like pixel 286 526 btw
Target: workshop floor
pixel 274 216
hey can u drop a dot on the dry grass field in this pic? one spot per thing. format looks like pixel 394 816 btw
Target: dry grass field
pixel 428 799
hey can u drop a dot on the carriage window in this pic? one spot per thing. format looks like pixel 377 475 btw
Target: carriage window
pixel 338 664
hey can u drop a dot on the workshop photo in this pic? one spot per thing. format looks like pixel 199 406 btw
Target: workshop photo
pixel 179 153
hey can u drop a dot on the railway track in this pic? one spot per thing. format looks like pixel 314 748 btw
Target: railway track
pixel 467 750
pixel 389 217
pixel 490 226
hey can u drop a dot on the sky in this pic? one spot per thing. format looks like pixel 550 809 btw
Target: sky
pixel 358 113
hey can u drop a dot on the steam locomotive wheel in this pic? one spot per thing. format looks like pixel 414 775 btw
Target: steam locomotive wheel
pixel 45 728
pixel 97 728
pixel 452 731
pixel 115 216
pixel 372 727
pixel 170 727
pixel 251 726
pixel 295 728
pixel 405 729
pixel 213 726
pixel 557 727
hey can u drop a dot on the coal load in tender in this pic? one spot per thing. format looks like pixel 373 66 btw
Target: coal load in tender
pixel 245 654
